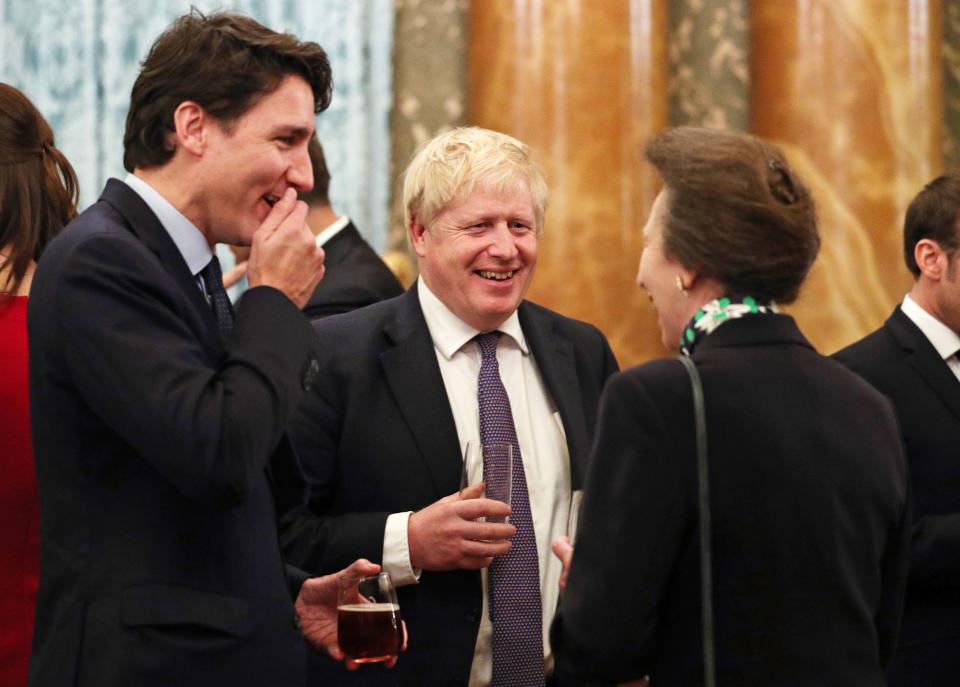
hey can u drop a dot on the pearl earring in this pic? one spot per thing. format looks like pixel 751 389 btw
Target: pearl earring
pixel 680 286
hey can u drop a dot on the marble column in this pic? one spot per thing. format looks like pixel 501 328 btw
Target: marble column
pixel 584 84
pixel 853 92
pixel 429 79
pixel 709 56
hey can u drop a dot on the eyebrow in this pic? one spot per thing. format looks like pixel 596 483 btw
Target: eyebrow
pixel 298 131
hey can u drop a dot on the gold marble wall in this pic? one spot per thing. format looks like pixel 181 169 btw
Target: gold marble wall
pixel 583 83
pixel 852 91
pixel 951 84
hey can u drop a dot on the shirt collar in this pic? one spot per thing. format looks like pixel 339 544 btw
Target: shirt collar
pixel 450 333
pixel 189 240
pixel 332 230
pixel 944 339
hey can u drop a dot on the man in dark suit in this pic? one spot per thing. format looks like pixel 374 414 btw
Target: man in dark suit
pixel 355 275
pixel 459 358
pixel 912 359
pixel 158 415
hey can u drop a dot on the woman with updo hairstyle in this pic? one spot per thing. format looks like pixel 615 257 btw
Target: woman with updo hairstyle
pixel 38 196
pixel 807 481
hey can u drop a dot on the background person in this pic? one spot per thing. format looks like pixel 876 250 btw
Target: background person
pixel 808 482
pixel 382 445
pixel 912 359
pixel 159 414
pixel 38 196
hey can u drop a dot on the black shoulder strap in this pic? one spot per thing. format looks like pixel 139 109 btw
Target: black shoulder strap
pixel 706 563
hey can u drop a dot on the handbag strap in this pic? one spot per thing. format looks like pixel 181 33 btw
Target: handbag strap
pixel 706 562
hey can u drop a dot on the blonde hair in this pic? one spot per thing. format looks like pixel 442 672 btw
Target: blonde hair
pixel 450 165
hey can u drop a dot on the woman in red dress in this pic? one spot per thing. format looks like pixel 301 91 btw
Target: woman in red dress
pixel 38 196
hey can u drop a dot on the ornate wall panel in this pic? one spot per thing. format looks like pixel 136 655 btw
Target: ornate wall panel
pixel 951 85
pixel 584 83
pixel 852 90
pixel 709 63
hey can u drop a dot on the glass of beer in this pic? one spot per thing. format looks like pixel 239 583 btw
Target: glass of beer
pixel 492 464
pixel 369 628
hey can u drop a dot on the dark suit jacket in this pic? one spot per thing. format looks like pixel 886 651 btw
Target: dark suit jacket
pixel 380 438
pixel 162 461
pixel 900 361
pixel 355 277
pixel 810 516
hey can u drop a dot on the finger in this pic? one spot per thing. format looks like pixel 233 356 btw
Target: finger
pixel 335 653
pixel 474 508
pixel 295 222
pixel 488 531
pixel 361 568
pixel 278 213
pixel 472 492
pixel 405 635
pixel 390 663
pixel 563 549
pixel 484 549
pixel 468 563
pixel 351 664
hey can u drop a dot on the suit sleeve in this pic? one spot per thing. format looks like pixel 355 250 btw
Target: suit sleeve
pixel 631 526
pixel 207 428
pixel 313 537
pixel 894 567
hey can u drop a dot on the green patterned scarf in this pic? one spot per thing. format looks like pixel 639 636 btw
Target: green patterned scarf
pixel 715 313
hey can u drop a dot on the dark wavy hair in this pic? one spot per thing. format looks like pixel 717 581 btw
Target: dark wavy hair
pixel 38 187
pixel 223 62
pixel 736 211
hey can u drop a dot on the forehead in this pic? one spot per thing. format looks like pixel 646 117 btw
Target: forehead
pixel 289 105
pixel 497 199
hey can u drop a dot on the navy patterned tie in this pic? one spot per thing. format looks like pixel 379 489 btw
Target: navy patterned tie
pixel 222 310
pixel 514 579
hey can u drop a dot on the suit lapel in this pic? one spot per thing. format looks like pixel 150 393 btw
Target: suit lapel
pixel 923 357
pixel 411 369
pixel 555 359
pixel 147 228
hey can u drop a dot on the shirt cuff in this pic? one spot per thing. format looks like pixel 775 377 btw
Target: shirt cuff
pixel 396 551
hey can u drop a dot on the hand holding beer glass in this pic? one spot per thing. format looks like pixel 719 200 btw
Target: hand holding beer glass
pixel 369 628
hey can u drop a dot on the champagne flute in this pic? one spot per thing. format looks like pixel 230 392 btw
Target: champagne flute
pixel 492 464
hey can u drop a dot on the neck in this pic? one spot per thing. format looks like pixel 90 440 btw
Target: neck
pixel 319 217
pixel 174 185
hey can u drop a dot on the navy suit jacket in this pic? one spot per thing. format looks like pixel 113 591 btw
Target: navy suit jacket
pixel 355 277
pixel 162 462
pixel 809 504
pixel 900 361
pixel 380 438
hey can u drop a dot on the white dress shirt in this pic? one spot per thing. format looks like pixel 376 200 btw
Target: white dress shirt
pixel 543 446
pixel 944 339
pixel 332 230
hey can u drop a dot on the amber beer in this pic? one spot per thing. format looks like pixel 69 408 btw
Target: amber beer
pixel 369 632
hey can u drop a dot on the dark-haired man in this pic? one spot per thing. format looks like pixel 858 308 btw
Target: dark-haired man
pixel 912 358
pixel 355 274
pixel 158 412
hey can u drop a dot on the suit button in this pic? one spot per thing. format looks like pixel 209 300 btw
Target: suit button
pixel 296 621
pixel 311 370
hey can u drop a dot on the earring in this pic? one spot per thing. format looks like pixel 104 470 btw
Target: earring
pixel 680 287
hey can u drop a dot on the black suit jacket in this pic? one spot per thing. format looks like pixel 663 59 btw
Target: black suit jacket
pixel 900 361
pixel 355 277
pixel 381 439
pixel 162 461
pixel 810 516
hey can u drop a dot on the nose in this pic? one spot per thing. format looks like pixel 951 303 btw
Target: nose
pixel 300 173
pixel 502 243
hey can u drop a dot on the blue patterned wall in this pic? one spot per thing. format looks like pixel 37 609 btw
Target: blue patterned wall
pixel 77 60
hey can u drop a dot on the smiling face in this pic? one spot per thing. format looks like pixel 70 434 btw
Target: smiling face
pixel 249 164
pixel 658 277
pixel 479 255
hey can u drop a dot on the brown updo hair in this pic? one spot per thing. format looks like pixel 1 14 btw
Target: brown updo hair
pixel 736 211
pixel 38 187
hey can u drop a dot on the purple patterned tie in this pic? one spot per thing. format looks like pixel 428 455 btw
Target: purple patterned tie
pixel 222 310
pixel 514 579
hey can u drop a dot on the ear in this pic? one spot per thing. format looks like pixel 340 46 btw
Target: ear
pixel 931 259
pixel 418 236
pixel 690 278
pixel 191 124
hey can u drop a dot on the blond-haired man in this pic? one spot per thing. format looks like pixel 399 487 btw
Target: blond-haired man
pixel 461 357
